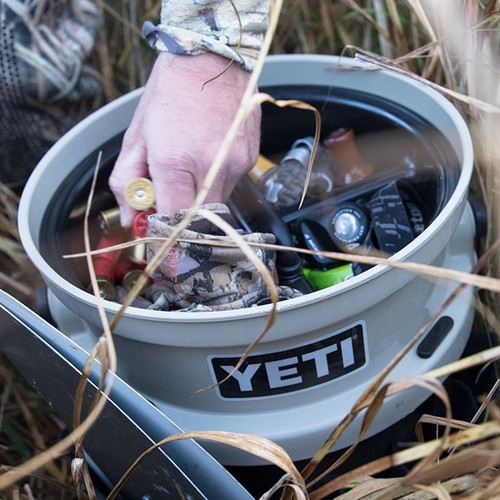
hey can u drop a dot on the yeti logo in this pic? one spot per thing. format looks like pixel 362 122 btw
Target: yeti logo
pixel 300 367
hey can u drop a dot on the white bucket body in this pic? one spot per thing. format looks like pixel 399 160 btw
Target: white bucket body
pixel 325 347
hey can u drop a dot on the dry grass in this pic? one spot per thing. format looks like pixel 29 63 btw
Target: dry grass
pixel 29 428
pixel 452 44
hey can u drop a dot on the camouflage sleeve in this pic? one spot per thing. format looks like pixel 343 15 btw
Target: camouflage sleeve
pixel 198 26
pixel 43 46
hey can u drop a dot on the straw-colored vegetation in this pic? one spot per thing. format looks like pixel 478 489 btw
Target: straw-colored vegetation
pixel 453 45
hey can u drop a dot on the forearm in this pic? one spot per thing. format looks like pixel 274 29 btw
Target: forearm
pixel 213 26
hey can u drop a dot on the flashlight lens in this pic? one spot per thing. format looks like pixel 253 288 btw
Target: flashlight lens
pixel 346 226
pixel 349 225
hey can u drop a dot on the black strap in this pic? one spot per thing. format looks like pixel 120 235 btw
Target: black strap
pixel 390 222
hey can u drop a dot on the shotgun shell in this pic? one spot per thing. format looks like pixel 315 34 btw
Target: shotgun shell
pixel 105 262
pixel 106 288
pixel 140 223
pixel 123 266
pixel 140 194
pixel 261 167
pixel 101 201
pixel 130 279
pixel 109 220
pixel 140 230
pixel 138 254
pixel 105 266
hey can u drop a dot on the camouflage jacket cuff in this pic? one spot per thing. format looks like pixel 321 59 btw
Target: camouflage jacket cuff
pixel 188 27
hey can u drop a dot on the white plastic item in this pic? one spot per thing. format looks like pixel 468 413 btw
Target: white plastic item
pixel 325 347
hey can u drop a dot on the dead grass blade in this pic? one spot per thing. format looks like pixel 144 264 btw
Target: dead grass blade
pixel 27 415
pixel 490 491
pixel 13 475
pixel 393 13
pixel 487 402
pixel 370 398
pixel 374 258
pixel 487 432
pixel 246 107
pixel 6 280
pixel 386 47
pixel 12 250
pixel 106 351
pixel 416 492
pixel 238 46
pixel 8 213
pixel 79 470
pixel 293 103
pixel 250 443
pixel 435 491
pixel 439 422
pixel 81 428
pixel 433 386
pixel 422 13
pixel 478 457
pixel 366 488
pixel 261 268
pixel 376 403
pixel 471 101
pixel 363 12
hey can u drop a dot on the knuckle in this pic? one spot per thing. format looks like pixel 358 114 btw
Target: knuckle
pixel 115 182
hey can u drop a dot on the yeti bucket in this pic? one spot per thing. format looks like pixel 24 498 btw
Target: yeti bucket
pixel 326 346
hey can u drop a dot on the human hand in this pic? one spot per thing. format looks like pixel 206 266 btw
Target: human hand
pixel 178 128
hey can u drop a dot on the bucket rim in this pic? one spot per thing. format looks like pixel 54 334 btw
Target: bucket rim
pixel 457 199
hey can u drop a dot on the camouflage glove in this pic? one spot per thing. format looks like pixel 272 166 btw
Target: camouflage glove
pixel 202 277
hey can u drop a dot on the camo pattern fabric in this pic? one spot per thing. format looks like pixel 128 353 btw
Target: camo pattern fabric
pixel 198 26
pixel 51 41
pixel 200 277
pixel 44 45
